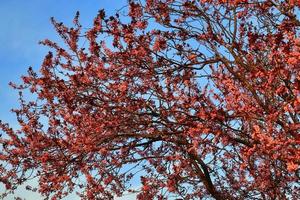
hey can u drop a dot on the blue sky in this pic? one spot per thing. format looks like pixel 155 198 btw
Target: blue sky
pixel 23 24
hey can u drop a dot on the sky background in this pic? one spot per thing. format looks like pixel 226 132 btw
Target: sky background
pixel 23 24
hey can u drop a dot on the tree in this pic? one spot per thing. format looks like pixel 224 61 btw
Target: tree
pixel 200 99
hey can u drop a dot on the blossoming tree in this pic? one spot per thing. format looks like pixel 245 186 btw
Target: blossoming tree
pixel 198 99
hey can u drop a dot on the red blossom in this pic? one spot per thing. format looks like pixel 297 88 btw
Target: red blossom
pixel 204 106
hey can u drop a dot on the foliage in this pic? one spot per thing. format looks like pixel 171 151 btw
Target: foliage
pixel 200 99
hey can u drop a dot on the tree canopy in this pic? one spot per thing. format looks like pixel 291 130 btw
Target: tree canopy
pixel 198 99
